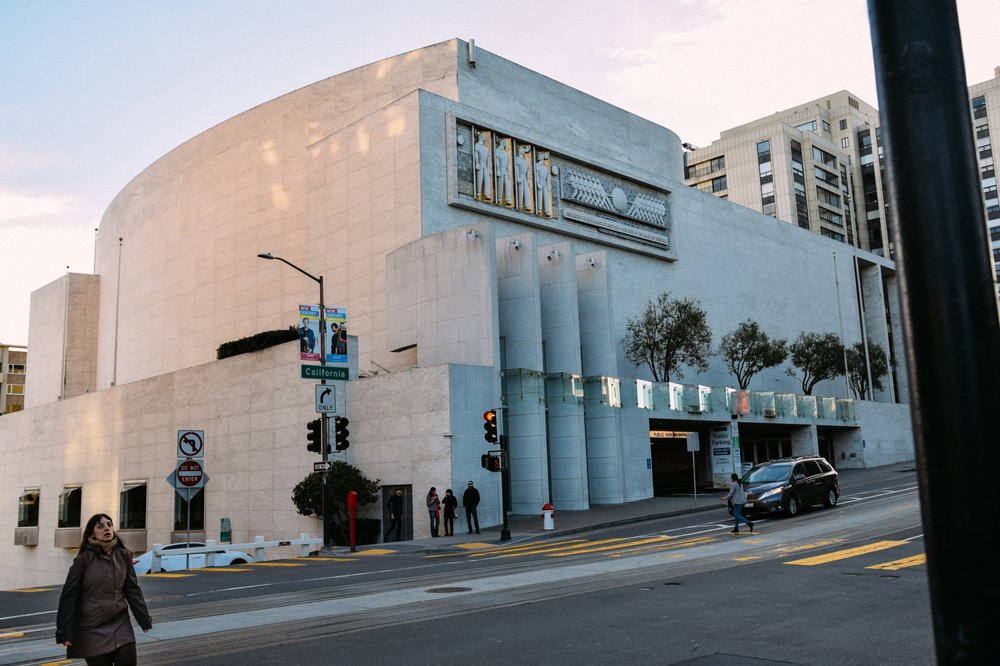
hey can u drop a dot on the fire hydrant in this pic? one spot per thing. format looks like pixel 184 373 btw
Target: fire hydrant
pixel 547 522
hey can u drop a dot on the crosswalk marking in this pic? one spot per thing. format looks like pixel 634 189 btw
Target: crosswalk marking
pixel 848 553
pixel 903 563
pixel 614 546
pixel 377 551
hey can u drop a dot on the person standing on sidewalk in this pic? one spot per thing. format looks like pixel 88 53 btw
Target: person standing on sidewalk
pixel 395 508
pixel 470 500
pixel 450 503
pixel 739 497
pixel 434 510
pixel 101 587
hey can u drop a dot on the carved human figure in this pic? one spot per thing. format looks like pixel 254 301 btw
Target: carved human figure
pixel 484 177
pixel 501 164
pixel 522 174
pixel 543 194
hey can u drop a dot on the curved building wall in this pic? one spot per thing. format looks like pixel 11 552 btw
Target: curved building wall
pixel 177 248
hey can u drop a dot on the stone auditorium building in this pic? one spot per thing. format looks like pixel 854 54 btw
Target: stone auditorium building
pixel 489 231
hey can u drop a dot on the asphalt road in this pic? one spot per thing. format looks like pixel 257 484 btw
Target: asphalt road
pixel 832 586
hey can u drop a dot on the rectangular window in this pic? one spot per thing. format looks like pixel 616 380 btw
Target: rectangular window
pixel 763 152
pixel 718 184
pixel 197 513
pixel 845 142
pixel 15 368
pixel 853 102
pixel 830 217
pixel 15 389
pixel 843 123
pixel 807 127
pixel 132 506
pixel 70 501
pixel 826 177
pixel 825 125
pixel 824 157
pixel 827 197
pixel 27 508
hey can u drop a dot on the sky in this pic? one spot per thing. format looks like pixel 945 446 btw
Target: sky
pixel 91 93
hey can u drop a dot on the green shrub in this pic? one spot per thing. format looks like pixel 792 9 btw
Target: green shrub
pixel 257 342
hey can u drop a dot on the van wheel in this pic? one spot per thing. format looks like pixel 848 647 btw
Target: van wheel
pixel 831 498
pixel 793 506
pixel 238 561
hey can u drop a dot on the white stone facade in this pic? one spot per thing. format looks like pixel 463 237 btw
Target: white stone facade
pixel 455 303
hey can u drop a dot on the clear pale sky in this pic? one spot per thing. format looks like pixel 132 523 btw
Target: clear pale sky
pixel 93 92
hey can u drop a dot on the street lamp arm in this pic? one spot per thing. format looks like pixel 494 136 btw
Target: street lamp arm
pixel 268 255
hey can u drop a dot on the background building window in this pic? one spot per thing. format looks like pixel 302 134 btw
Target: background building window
pixel 132 507
pixel 27 508
pixel 197 513
pixel 70 501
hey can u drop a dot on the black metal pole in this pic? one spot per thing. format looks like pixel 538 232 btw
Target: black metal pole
pixel 950 319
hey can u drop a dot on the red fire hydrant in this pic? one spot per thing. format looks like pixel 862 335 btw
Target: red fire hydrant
pixel 547 522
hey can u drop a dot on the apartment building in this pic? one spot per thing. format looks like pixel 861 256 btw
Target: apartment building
pixel 819 166
pixel 13 363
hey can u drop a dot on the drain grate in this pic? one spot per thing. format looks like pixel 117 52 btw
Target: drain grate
pixel 447 590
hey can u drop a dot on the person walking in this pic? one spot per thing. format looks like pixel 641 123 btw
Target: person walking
pixel 434 510
pixel 101 587
pixel 450 503
pixel 395 509
pixel 739 497
pixel 470 500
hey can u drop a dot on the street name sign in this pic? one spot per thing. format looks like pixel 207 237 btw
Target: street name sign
pixel 323 466
pixel 323 372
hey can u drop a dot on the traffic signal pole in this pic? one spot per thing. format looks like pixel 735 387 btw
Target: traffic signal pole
pixel 504 476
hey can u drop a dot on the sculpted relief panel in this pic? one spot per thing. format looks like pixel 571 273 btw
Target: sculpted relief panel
pixel 500 173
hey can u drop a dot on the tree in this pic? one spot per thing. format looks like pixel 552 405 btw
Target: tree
pixel 818 356
pixel 748 350
pixel 857 373
pixel 669 333
pixel 308 493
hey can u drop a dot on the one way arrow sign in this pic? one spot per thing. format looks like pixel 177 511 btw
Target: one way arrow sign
pixel 326 399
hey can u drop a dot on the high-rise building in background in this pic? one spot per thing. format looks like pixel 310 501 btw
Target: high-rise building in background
pixel 13 362
pixel 819 166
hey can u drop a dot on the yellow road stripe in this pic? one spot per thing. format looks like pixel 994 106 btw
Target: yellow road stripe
pixel 895 565
pixel 845 554
pixel 272 564
pixel 615 546
pixel 809 546
pixel 215 569
pixel 530 547
pixel 555 548
pixel 58 663
pixel 167 575
pixel 34 589
pixel 475 545
pixel 12 634
pixel 673 545
pixel 377 551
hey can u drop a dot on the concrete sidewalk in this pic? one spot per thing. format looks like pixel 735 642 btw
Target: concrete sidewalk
pixel 566 522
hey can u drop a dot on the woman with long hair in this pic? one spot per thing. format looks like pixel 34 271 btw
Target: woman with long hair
pixel 101 587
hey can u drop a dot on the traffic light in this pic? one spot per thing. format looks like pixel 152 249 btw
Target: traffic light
pixel 341 432
pixel 490 426
pixel 315 436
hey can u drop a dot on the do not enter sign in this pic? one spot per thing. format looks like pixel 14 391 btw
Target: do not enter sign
pixel 190 474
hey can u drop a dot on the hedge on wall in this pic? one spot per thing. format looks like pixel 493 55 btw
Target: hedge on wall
pixel 256 342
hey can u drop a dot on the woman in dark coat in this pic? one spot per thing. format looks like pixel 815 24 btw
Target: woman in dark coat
pixel 100 588
pixel 450 504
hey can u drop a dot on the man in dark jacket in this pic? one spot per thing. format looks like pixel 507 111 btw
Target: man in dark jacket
pixel 395 509
pixel 470 500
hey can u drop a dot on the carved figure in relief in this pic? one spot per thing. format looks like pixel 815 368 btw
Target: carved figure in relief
pixel 543 196
pixel 484 177
pixel 501 164
pixel 522 174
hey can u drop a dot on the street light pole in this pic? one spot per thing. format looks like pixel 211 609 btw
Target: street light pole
pixel 324 423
